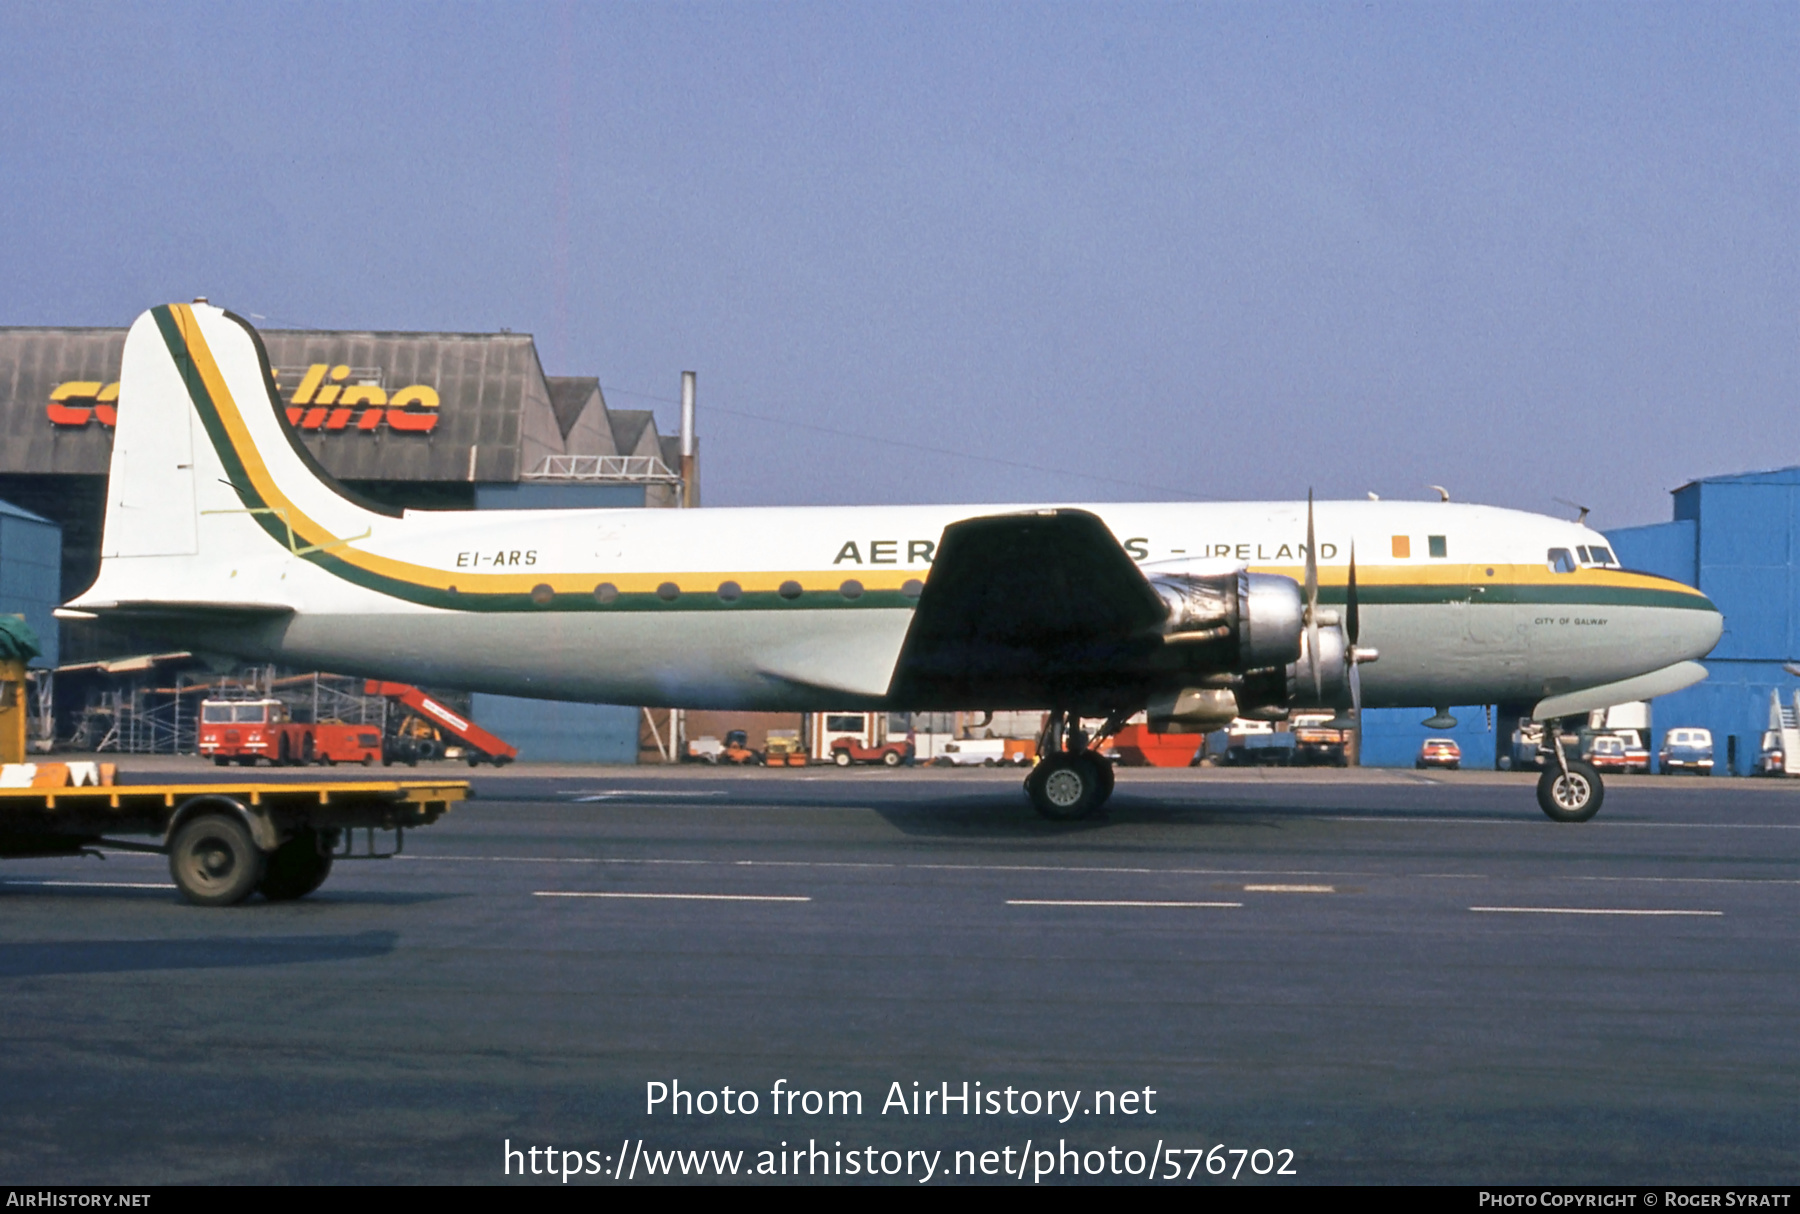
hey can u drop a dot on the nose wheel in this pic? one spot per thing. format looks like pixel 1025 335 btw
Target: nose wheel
pixel 1569 790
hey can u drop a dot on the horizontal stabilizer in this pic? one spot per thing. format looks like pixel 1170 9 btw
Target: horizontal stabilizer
pixel 173 609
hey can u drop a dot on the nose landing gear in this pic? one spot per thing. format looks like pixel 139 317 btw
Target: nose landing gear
pixel 1070 781
pixel 1569 790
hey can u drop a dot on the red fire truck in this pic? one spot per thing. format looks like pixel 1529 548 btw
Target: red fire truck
pixel 244 731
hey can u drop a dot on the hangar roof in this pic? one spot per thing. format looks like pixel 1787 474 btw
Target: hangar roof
pixel 494 402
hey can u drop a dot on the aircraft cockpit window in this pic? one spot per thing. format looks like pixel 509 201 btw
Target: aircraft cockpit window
pixel 1561 560
pixel 1603 556
pixel 1582 552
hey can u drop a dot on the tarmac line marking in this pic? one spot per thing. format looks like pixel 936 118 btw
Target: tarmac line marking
pixel 96 884
pixel 1582 910
pixel 625 795
pixel 1396 821
pixel 552 893
pixel 1290 889
pixel 1115 902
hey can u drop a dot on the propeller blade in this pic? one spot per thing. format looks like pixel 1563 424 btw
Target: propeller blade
pixel 1312 604
pixel 1356 705
pixel 1352 616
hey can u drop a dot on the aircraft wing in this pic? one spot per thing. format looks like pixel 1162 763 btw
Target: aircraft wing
pixel 1027 610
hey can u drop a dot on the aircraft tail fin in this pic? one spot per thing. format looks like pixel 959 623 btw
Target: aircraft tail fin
pixel 208 485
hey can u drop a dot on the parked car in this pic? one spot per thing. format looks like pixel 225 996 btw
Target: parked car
pixel 845 751
pixel 1618 751
pixel 1439 752
pixel 1686 749
pixel 1257 743
pixel 1317 739
pixel 985 752
pixel 1772 761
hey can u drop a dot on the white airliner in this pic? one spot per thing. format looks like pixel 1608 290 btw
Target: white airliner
pixel 222 530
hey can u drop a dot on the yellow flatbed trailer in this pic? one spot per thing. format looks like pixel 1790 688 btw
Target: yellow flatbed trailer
pixel 226 841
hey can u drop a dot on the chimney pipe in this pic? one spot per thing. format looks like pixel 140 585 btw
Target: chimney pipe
pixel 690 488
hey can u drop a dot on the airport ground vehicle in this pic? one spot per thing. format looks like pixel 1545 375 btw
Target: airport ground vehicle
pixel 845 751
pixel 1771 760
pixel 783 748
pixel 1439 752
pixel 1317 740
pixel 225 841
pixel 1617 752
pixel 1138 747
pixel 243 731
pixel 479 746
pixel 1257 743
pixel 1686 749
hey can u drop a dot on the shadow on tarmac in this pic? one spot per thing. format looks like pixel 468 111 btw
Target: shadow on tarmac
pixel 39 959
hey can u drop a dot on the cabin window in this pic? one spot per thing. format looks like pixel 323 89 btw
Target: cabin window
pixel 668 592
pixel 913 588
pixel 851 589
pixel 789 590
pixel 1439 548
pixel 1403 547
pixel 605 592
pixel 542 594
pixel 730 592
pixel 1560 560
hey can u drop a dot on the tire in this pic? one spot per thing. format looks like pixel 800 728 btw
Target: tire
pixel 1108 777
pixel 1064 788
pixel 221 761
pixel 282 752
pixel 368 760
pixel 891 759
pixel 295 869
pixel 1572 798
pixel 1456 767
pixel 214 860
pixel 841 757
pixel 474 760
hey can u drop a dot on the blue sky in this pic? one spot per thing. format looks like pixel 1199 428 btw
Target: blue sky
pixel 1523 251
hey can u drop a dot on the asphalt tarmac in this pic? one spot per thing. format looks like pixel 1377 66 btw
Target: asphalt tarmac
pixel 1343 977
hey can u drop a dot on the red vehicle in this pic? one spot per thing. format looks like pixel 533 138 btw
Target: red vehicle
pixel 242 730
pixel 845 751
pixel 1138 747
pixel 479 746
pixel 247 730
pixel 1439 752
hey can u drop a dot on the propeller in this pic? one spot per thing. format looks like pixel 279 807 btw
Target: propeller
pixel 1312 603
pixel 1352 632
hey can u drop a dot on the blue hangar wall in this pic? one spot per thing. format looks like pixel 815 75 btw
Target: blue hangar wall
pixel 31 574
pixel 1736 538
pixel 551 731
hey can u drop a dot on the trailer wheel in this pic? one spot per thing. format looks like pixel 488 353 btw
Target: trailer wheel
pixel 214 860
pixel 295 869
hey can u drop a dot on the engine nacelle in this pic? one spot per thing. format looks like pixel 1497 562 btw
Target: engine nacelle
pixel 1261 612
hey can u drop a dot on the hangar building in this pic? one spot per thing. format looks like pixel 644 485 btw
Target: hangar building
pixel 419 420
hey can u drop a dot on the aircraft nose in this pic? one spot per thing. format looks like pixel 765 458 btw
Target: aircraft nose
pixel 1695 627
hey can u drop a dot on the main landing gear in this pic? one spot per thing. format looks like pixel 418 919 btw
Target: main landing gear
pixel 1070 780
pixel 1569 790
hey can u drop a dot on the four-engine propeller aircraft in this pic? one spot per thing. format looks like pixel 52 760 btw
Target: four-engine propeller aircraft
pixel 222 529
